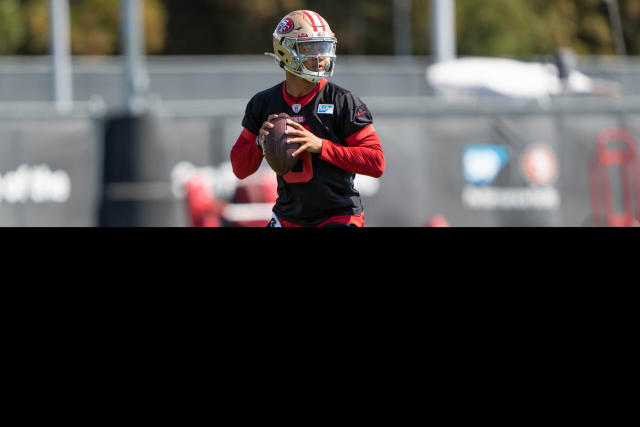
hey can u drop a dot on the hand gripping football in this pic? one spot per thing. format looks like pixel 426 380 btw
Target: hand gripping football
pixel 277 151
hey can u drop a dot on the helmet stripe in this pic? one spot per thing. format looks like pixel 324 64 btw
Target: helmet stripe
pixel 314 21
pixel 319 19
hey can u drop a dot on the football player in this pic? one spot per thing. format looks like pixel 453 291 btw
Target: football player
pixel 333 126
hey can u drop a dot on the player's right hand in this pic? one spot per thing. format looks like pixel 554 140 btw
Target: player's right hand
pixel 264 129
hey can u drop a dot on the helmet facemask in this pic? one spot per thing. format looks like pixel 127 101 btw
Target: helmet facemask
pixel 312 58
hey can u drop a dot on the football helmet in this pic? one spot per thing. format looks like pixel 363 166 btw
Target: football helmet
pixel 304 45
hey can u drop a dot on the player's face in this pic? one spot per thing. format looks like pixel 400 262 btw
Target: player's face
pixel 320 50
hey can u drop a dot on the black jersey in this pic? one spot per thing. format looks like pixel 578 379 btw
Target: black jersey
pixel 314 190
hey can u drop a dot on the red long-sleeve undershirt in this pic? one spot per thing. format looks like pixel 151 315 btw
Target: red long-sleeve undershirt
pixel 363 154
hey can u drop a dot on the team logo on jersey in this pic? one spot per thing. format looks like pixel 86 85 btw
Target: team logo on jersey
pixel 325 109
pixel 296 108
pixel 298 119
pixel 285 26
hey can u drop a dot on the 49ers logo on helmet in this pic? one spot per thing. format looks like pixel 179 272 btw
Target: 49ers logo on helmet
pixel 285 26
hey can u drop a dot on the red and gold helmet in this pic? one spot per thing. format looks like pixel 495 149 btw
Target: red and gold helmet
pixel 303 44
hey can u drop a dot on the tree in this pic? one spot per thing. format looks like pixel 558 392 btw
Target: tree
pixel 95 26
pixel 490 27
pixel 630 11
pixel 35 15
pixel 526 27
pixel 12 29
pixel 233 27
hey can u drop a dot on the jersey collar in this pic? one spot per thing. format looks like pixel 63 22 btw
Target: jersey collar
pixel 307 98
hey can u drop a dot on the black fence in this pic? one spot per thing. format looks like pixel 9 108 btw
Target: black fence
pixel 477 165
pixel 50 168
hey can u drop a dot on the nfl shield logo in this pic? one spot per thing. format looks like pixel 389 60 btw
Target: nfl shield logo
pixel 296 108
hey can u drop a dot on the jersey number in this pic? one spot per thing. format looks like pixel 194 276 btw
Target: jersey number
pixel 304 173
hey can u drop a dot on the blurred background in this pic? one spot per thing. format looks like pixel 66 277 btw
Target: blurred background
pixel 492 113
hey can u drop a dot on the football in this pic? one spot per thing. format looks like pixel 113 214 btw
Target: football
pixel 277 151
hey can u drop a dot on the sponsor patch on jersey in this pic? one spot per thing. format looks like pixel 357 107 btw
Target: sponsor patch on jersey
pixel 325 109
pixel 296 108
pixel 298 119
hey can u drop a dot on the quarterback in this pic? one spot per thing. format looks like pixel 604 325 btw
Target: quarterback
pixel 332 125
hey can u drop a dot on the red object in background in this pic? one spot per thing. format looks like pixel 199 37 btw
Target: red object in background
pixel 600 163
pixel 259 189
pixel 262 187
pixel 204 208
pixel 251 205
pixel 437 221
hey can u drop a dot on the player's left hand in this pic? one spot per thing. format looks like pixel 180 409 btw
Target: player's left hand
pixel 309 142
